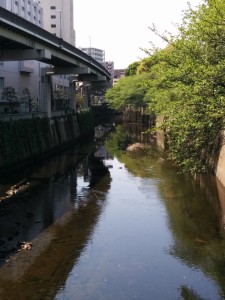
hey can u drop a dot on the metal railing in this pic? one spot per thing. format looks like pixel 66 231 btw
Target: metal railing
pixel 14 117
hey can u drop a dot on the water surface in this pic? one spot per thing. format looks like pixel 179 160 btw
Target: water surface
pixel 125 225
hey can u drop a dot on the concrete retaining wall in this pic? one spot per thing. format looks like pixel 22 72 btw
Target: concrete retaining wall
pixel 25 140
pixel 220 165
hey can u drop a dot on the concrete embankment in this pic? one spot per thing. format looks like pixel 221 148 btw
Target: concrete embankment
pixel 220 163
pixel 25 140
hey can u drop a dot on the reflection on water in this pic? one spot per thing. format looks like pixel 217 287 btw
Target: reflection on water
pixel 111 223
pixel 36 197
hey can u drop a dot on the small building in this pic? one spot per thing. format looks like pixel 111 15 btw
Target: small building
pixel 118 73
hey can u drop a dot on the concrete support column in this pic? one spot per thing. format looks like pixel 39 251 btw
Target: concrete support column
pixel 46 94
pixel 86 93
pixel 72 94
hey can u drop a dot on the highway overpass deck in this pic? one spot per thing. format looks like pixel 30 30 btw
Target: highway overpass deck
pixel 23 40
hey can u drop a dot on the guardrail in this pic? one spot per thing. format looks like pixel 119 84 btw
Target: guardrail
pixel 13 117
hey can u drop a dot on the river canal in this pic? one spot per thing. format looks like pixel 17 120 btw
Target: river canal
pixel 101 222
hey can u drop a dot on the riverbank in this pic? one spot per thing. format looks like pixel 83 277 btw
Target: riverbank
pixel 216 162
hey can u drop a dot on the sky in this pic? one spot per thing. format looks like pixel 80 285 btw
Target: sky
pixel 121 27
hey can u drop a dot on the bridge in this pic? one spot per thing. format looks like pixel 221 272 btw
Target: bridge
pixel 23 40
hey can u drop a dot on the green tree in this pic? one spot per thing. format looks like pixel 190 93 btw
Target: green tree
pixel 132 69
pixel 9 94
pixel 189 88
pixel 27 98
pixel 128 90
pixel 185 84
pixel 60 99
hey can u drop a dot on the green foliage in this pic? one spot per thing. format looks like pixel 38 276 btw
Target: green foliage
pixel 20 140
pixel 128 90
pixel 80 99
pixel 132 69
pixel 27 98
pixel 189 91
pixel 60 100
pixel 85 121
pixel 186 85
pixel 26 139
pixel 9 95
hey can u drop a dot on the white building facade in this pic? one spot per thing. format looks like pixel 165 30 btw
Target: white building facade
pixel 96 53
pixel 29 10
pixel 22 74
pixel 58 18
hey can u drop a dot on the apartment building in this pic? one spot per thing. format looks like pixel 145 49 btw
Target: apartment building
pixel 118 73
pixel 99 55
pixel 96 53
pixel 22 74
pixel 58 18
pixel 27 9
pixel 109 65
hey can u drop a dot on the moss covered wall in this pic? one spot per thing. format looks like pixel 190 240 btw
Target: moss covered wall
pixel 27 139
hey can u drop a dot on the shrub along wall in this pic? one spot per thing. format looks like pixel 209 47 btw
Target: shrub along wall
pixel 85 121
pixel 27 139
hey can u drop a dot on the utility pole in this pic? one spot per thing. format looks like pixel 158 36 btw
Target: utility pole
pixel 90 45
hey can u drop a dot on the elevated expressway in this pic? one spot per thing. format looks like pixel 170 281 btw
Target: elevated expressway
pixel 23 40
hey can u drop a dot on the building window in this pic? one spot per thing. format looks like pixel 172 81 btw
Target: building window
pixel 53 26
pixel 52 7
pixel 53 16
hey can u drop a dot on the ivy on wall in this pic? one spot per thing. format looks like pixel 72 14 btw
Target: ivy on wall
pixel 27 139
pixel 85 121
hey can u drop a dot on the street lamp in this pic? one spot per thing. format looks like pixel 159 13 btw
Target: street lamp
pixel 60 16
pixel 90 45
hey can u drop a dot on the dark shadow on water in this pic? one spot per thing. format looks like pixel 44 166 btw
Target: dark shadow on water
pixel 97 170
pixel 33 199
